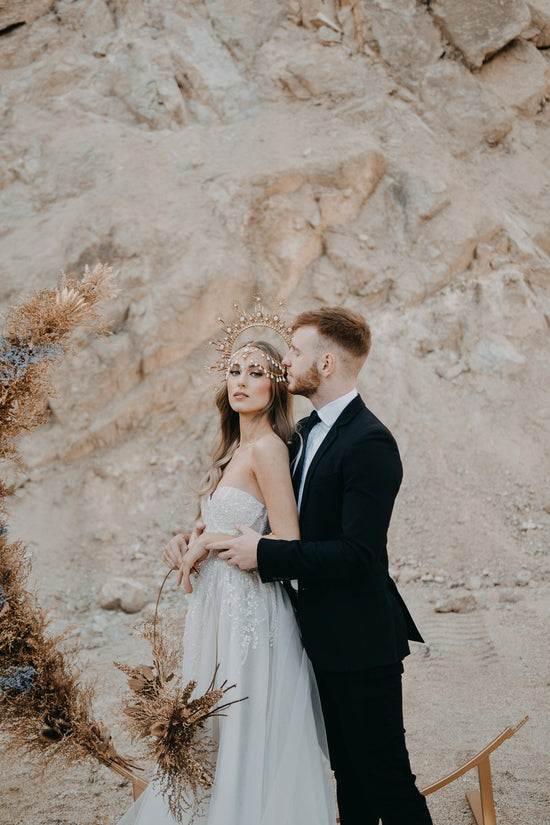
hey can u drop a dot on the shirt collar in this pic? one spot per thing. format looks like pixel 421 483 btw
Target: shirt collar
pixel 331 411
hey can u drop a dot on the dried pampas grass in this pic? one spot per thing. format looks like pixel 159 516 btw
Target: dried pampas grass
pixel 44 705
pixel 36 334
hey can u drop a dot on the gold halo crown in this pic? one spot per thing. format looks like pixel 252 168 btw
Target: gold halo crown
pixel 257 318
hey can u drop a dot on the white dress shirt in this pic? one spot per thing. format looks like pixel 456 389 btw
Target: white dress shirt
pixel 328 415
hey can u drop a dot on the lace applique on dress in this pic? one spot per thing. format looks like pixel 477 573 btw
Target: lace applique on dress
pixel 238 597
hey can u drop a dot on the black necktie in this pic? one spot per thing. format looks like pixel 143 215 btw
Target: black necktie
pixel 305 430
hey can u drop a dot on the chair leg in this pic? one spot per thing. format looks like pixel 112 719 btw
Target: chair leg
pixel 474 801
pixel 481 801
pixel 486 788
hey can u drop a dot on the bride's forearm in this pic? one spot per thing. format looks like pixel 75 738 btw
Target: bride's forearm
pixel 217 537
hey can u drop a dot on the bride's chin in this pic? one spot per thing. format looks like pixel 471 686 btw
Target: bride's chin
pixel 239 407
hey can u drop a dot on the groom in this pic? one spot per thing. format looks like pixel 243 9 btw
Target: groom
pixel 353 621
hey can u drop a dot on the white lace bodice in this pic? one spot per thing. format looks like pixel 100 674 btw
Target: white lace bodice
pixel 239 598
pixel 228 505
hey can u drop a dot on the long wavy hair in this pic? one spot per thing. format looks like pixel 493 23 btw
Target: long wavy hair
pixel 278 410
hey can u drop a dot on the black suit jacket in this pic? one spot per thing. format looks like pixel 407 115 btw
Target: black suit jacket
pixel 350 613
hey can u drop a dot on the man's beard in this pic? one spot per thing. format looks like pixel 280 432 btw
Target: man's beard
pixel 307 384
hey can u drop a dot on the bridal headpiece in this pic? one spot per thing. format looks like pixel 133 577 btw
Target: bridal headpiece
pixel 257 318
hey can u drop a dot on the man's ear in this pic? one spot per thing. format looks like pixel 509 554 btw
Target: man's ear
pixel 328 364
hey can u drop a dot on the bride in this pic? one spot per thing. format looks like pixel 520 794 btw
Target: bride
pixel 272 766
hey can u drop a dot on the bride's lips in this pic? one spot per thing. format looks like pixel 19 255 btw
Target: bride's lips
pixel 240 395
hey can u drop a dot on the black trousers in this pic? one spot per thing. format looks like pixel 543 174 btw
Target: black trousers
pixel 363 713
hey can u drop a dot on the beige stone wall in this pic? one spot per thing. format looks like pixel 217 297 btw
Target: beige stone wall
pixel 393 157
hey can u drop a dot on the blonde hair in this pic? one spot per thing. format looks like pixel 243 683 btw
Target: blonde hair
pixel 278 410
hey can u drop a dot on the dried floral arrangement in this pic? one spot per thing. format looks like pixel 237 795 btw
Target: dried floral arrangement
pixel 37 334
pixel 44 705
pixel 163 713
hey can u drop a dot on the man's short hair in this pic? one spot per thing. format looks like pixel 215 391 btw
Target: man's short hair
pixel 341 326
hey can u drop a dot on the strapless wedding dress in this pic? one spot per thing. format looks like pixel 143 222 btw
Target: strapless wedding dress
pixel 272 766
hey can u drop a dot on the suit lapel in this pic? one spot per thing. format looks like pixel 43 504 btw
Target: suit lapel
pixel 325 444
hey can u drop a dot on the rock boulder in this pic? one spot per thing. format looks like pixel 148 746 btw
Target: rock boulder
pixel 13 12
pixel 540 22
pixel 480 30
pixel 122 594
pixel 519 76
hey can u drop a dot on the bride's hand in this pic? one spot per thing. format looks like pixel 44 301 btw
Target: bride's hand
pixel 176 548
pixel 198 531
pixel 196 553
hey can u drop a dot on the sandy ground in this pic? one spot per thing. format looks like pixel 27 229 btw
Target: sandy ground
pixel 479 671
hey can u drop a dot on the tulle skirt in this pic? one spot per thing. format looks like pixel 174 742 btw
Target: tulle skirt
pixel 272 763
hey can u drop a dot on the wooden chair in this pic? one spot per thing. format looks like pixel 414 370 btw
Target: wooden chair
pixel 481 801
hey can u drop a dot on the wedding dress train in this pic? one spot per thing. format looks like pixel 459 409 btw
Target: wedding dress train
pixel 271 766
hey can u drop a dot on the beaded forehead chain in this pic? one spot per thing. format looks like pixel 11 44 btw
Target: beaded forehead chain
pixel 258 317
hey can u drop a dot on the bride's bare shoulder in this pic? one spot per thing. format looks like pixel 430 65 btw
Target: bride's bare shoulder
pixel 270 447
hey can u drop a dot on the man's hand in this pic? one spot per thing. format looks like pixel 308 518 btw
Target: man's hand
pixel 176 548
pixel 241 551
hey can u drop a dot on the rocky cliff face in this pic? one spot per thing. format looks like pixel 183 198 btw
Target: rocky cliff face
pixel 389 156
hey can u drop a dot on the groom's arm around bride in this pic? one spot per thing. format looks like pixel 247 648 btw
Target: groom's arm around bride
pixel 350 613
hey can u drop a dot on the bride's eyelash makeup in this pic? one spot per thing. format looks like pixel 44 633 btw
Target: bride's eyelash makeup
pixel 254 369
